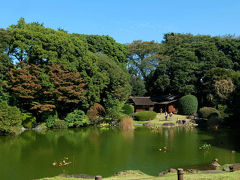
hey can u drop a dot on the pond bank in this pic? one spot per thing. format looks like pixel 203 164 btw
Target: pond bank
pixel 170 175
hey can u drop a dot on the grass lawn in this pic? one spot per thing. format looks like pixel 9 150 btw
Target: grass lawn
pixel 171 176
pixel 160 119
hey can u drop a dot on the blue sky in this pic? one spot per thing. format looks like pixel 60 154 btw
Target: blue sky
pixel 128 20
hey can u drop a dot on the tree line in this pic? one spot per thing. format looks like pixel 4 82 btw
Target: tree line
pixel 51 73
pixel 201 65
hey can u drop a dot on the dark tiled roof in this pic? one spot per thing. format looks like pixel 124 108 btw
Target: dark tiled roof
pixel 154 100
pixel 163 98
pixel 142 100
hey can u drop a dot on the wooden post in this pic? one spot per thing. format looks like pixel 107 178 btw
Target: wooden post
pixel 98 177
pixel 180 173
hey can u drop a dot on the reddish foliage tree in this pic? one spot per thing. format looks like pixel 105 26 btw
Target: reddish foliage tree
pixel 69 86
pixel 26 83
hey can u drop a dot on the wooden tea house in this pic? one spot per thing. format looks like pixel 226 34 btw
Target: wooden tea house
pixel 158 104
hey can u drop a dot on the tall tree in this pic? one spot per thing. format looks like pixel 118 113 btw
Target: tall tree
pixel 143 57
pixel 118 85
pixel 5 61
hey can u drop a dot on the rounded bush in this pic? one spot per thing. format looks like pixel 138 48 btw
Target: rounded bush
pixel 207 112
pixel 145 115
pixel 77 118
pixel 128 109
pixel 60 124
pixel 188 105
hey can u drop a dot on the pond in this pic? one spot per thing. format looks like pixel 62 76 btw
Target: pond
pixel 104 152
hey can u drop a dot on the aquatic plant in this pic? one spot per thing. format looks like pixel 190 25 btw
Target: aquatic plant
pixel 205 147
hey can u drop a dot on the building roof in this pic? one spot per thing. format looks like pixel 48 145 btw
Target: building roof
pixel 153 100
pixel 142 101
pixel 164 99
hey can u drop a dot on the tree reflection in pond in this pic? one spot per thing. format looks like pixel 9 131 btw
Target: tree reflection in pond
pixel 94 151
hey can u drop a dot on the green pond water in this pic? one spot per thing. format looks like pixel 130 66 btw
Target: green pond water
pixel 104 152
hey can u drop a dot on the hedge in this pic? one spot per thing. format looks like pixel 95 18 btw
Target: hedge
pixel 145 115
pixel 188 105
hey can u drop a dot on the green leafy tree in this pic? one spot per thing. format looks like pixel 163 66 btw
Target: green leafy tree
pixel 32 43
pixel 5 61
pixel 105 45
pixel 143 57
pixel 138 86
pixel 10 119
pixel 113 108
pixel 118 80
pixel 188 59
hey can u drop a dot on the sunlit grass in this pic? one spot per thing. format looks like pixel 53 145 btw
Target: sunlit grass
pixel 160 119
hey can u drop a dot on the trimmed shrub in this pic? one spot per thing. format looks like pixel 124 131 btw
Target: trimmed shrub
pixel 207 112
pixel 128 109
pixel 10 119
pixel 188 105
pixel 126 123
pixel 60 124
pixel 29 120
pixel 145 115
pixel 77 118
pixel 96 111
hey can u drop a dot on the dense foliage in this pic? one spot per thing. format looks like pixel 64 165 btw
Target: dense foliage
pixel 48 74
pixel 128 109
pixel 29 120
pixel 77 118
pixel 145 115
pixel 60 124
pixel 188 105
pixel 206 112
pixel 10 119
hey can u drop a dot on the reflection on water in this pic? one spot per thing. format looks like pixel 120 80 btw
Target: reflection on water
pixel 94 151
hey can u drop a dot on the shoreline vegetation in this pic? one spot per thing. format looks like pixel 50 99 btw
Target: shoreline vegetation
pixel 56 79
